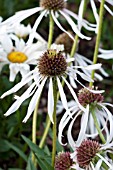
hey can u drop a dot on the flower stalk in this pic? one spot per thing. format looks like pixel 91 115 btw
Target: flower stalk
pixel 51 29
pixel 54 120
pixel 95 57
pixel 34 129
pixel 97 126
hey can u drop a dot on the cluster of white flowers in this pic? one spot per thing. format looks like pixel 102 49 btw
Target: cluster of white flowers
pixel 21 46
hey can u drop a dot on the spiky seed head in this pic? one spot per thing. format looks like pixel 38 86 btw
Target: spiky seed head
pixel 52 63
pixel 63 161
pixel 66 41
pixel 87 97
pixel 86 152
pixel 52 4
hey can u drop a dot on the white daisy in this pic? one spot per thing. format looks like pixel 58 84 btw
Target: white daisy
pixel 21 30
pixel 56 9
pixel 18 55
pixel 90 155
pixel 52 64
pixel 87 127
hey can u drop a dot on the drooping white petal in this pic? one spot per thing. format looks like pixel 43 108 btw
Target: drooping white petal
pixel 50 100
pixel 93 91
pixel 34 100
pixel 104 160
pixel 37 22
pixel 110 118
pixel 80 14
pixel 73 94
pixel 62 94
pixel 69 135
pixel 84 122
pixel 60 26
pixel 20 100
pixel 92 166
pixel 98 165
pixel 21 15
pixel 24 81
pixel 74 26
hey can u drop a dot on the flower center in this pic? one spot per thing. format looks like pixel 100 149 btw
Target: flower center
pixel 86 152
pixel 17 57
pixel 52 64
pixel 63 161
pixel 66 41
pixel 52 4
pixel 86 97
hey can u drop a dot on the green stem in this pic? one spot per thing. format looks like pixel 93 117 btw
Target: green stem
pixel 51 29
pixel 48 123
pixel 54 120
pixel 34 129
pixel 74 47
pixel 98 38
pixel 97 126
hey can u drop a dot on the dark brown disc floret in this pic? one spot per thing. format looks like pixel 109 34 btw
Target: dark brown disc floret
pixel 52 4
pixel 52 64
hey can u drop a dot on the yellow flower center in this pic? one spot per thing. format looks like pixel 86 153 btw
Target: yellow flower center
pixel 17 57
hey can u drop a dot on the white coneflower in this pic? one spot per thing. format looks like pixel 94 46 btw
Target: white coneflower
pixel 90 155
pixel 18 55
pixel 56 9
pixel 87 127
pixel 80 60
pixel 52 64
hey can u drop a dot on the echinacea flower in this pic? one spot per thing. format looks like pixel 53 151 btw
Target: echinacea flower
pixel 56 9
pixel 52 64
pixel 79 60
pixel 18 55
pixel 63 161
pixel 91 155
pixel 92 102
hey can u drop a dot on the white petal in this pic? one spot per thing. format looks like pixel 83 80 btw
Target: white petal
pixel 59 25
pixel 50 100
pixel 62 94
pixel 69 135
pixel 73 94
pixel 104 160
pixel 37 22
pixel 6 43
pixel 20 100
pixel 34 101
pixel 14 69
pixel 98 165
pixel 84 122
pixel 74 26
pixel 21 15
pixel 24 81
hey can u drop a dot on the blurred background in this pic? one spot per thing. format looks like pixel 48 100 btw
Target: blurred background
pixel 11 128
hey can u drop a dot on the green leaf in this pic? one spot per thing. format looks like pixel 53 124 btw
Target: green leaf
pixel 44 164
pixel 3 146
pixel 17 150
pixel 30 165
pixel 43 159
